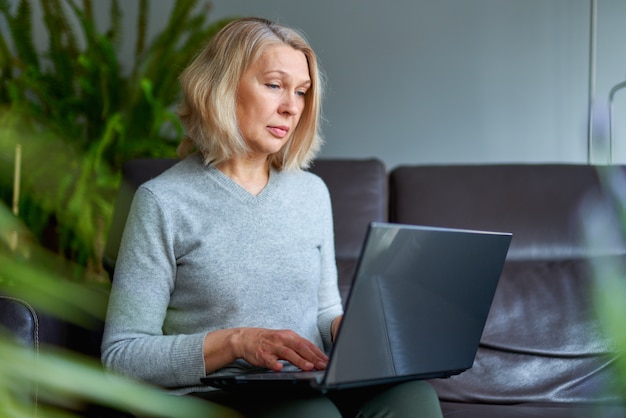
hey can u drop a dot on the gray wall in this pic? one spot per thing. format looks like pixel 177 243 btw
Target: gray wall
pixel 611 70
pixel 439 81
pixel 456 81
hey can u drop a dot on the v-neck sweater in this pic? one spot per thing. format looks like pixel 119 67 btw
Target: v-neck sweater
pixel 199 253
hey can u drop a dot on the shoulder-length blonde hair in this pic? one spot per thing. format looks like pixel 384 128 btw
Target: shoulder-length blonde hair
pixel 209 87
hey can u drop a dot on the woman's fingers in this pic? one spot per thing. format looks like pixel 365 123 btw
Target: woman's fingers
pixel 265 348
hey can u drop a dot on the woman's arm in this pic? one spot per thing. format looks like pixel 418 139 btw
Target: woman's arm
pixel 133 341
pixel 330 307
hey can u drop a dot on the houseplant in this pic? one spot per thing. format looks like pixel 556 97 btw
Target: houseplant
pixel 54 383
pixel 79 114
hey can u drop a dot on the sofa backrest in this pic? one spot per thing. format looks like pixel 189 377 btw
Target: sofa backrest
pixel 358 190
pixel 541 342
pixel 540 203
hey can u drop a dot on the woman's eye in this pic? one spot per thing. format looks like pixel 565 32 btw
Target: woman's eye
pixel 272 86
pixel 301 93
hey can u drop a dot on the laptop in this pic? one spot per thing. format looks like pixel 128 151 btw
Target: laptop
pixel 417 308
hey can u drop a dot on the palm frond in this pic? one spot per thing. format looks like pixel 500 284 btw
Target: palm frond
pixel 75 97
pixel 142 28
pixel 20 28
pixel 115 32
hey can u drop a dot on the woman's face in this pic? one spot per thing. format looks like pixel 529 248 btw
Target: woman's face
pixel 270 98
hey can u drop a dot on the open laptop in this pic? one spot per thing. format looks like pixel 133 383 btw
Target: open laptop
pixel 416 310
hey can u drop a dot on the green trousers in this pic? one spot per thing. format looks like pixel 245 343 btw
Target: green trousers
pixel 411 399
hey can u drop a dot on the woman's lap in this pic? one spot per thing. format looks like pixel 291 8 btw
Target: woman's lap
pixel 410 399
pixel 274 404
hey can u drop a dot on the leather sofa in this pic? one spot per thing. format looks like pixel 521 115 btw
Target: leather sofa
pixel 21 320
pixel 543 353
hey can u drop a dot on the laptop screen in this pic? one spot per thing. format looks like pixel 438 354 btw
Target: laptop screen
pixel 418 304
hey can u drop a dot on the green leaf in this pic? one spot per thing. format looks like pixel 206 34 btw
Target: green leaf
pixel 79 116
pixel 64 379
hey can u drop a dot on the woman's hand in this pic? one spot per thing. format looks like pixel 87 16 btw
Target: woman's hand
pixel 262 348
pixel 265 347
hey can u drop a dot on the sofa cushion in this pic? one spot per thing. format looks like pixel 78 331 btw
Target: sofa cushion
pixel 538 203
pixel 541 342
pixel 530 410
pixel 538 295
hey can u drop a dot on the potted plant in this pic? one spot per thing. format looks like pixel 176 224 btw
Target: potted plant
pixel 78 114
pixel 70 116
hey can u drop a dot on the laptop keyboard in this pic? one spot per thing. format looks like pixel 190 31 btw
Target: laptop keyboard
pixel 294 375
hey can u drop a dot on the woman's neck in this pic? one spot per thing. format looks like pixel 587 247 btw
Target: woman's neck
pixel 251 175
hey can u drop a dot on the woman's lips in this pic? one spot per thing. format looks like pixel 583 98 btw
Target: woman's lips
pixel 279 131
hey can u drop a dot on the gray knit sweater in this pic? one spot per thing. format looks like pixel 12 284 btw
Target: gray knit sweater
pixel 199 253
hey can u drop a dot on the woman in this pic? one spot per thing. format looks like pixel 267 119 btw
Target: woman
pixel 227 260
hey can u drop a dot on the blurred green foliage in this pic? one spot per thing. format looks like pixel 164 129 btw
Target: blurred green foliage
pixel 79 115
pixel 54 383
pixel 604 226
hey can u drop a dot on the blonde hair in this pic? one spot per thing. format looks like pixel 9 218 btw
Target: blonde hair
pixel 209 86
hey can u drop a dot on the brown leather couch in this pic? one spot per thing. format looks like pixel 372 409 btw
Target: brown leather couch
pixel 543 353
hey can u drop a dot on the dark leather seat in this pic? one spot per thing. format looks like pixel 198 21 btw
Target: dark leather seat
pixel 21 320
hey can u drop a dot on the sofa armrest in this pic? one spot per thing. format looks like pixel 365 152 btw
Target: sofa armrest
pixel 21 320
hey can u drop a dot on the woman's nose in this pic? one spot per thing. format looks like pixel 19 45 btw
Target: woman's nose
pixel 290 104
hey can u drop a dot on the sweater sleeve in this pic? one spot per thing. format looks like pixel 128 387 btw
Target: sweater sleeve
pixel 330 305
pixel 133 342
